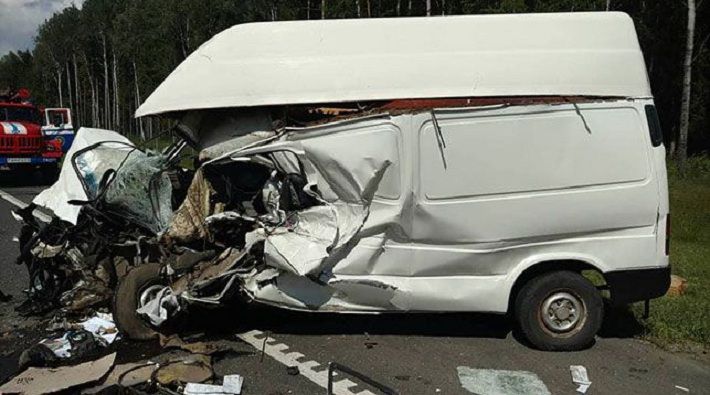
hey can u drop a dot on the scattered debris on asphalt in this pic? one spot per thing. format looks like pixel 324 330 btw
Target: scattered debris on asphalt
pixel 51 380
pixel 580 377
pixel 334 368
pixel 510 382
pixel 74 341
pixel 204 348
pixel 101 325
pixel 125 376
pixel 684 389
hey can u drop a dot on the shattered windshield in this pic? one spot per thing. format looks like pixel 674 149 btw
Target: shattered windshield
pixel 128 179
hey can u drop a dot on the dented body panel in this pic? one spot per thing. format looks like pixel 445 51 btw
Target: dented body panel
pixel 383 178
pixel 451 228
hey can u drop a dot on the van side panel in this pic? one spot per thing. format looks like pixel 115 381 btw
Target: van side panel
pixel 539 173
pixel 493 192
pixel 501 189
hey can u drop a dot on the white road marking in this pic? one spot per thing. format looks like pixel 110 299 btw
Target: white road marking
pixel 19 203
pixel 279 352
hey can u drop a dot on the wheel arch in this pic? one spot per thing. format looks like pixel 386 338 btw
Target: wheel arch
pixel 543 266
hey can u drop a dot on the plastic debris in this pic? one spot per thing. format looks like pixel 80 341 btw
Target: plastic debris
pixel 101 325
pixel 38 355
pixel 580 377
pixel 231 384
pixel 94 332
pixel 500 382
pixel 684 389
pixel 51 380
pixel 59 346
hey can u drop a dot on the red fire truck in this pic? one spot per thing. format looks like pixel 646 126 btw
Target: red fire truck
pixel 32 138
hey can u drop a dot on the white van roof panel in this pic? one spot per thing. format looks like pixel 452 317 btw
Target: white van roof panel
pixel 325 61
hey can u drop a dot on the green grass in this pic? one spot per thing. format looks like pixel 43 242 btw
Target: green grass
pixel 684 321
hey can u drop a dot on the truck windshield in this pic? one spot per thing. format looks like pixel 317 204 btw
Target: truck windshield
pixel 19 114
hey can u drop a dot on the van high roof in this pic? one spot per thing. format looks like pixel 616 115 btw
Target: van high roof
pixel 328 61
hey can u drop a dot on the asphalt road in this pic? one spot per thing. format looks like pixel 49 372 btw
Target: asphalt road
pixel 415 354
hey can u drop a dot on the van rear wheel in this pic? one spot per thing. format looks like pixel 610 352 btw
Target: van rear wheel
pixel 559 311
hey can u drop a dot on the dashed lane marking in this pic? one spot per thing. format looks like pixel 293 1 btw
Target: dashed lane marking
pixel 280 353
pixel 19 203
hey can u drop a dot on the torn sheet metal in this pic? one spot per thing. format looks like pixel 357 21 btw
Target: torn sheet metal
pixel 206 129
pixel 301 244
pixel 45 251
pixel 219 149
pixel 302 248
pixel 68 186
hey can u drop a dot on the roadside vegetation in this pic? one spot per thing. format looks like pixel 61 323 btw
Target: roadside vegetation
pixel 683 322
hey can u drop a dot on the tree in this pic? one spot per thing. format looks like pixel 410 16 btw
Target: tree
pixel 682 149
pixel 108 56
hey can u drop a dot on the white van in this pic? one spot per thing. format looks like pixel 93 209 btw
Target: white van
pixel 476 163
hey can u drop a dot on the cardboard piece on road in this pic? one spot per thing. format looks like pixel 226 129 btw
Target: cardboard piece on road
pixel 204 348
pixel 126 375
pixel 195 368
pixel 50 380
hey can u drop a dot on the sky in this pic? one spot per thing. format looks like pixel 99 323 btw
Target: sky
pixel 19 20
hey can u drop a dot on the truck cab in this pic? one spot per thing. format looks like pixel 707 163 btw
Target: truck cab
pixel 32 138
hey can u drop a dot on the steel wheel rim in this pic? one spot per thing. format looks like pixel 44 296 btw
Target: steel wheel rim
pixel 562 312
pixel 148 294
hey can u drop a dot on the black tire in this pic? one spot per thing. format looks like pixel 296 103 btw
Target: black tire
pixel 564 289
pixel 125 301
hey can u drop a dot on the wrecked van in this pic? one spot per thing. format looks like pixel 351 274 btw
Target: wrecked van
pixel 459 164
